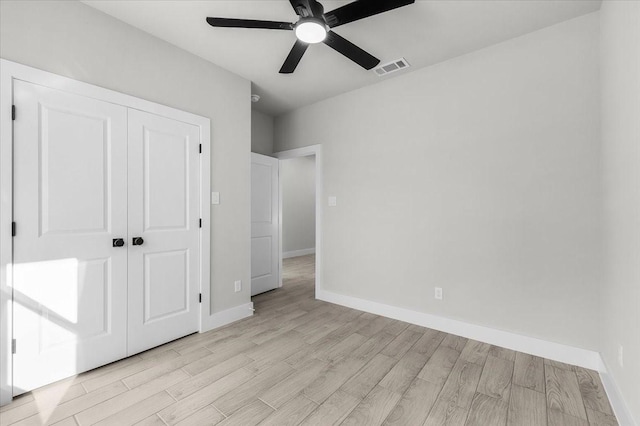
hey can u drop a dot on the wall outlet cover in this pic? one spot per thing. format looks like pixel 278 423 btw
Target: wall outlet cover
pixel 237 286
pixel 333 201
pixel 438 293
pixel 215 198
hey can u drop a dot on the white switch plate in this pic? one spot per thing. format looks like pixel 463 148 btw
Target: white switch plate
pixel 438 293
pixel 238 285
pixel 333 201
pixel 215 198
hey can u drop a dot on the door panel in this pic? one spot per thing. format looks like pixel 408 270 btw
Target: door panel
pixel 65 156
pixel 70 195
pixel 264 223
pixel 163 210
pixel 166 284
pixel 165 192
pixel 261 256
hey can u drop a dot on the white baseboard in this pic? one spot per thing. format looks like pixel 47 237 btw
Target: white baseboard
pixel 517 342
pixel 227 317
pixel 296 253
pixel 618 404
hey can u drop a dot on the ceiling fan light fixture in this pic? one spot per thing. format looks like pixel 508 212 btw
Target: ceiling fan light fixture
pixel 311 31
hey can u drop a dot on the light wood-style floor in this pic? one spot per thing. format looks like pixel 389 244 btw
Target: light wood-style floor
pixel 302 361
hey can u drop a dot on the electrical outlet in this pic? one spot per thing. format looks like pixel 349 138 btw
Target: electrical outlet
pixel 238 285
pixel 333 201
pixel 620 355
pixel 438 293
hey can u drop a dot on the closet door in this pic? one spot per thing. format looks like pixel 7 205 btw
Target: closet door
pixel 163 230
pixel 70 203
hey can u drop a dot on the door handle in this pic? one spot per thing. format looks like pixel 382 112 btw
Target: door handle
pixel 137 241
pixel 118 242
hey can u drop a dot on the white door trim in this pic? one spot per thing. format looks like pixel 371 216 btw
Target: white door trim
pixel 10 71
pixel 306 152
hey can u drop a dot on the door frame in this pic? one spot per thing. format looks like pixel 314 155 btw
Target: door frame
pixel 10 71
pixel 307 151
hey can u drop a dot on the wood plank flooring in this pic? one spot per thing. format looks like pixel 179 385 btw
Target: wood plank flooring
pixel 299 361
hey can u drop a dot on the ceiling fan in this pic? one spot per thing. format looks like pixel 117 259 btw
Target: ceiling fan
pixel 314 26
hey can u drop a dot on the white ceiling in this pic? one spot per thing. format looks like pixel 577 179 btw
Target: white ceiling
pixel 425 33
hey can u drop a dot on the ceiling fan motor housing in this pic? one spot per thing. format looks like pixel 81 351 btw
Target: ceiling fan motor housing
pixel 306 8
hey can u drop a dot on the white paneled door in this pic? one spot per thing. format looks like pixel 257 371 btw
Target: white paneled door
pixel 163 241
pixel 264 223
pixel 106 248
pixel 70 192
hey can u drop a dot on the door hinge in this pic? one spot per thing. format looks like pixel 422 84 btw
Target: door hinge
pixel 200 297
pixel 200 149
pixel 200 222
pixel 13 112
pixel 13 229
pixel 13 346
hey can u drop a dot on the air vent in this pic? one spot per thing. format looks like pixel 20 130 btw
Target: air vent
pixel 390 67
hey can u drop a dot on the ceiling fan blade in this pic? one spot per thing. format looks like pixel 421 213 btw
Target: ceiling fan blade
pixel 294 57
pixel 351 51
pixel 361 9
pixel 307 8
pixel 249 23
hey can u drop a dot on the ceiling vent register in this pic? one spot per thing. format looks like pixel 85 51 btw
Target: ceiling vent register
pixel 393 66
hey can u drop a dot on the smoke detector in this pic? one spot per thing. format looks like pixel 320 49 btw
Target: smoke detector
pixel 393 66
pixel 255 98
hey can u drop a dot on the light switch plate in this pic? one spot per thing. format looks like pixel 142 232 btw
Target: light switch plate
pixel 333 201
pixel 215 198
pixel 238 285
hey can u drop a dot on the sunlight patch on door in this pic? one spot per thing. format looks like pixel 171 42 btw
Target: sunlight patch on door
pixel 46 308
pixel 50 287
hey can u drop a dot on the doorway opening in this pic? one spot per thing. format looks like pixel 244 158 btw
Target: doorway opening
pixel 286 224
pixel 302 265
pixel 298 222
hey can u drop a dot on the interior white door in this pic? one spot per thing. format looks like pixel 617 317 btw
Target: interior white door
pixel 70 202
pixel 164 205
pixel 264 223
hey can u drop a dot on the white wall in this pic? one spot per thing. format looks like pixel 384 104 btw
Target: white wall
pixel 620 291
pixel 298 179
pixel 77 41
pixel 480 175
pixel 261 133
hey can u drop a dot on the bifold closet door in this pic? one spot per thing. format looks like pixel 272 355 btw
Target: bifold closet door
pixel 70 203
pixel 164 205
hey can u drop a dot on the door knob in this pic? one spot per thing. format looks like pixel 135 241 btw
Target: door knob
pixel 137 241
pixel 118 242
